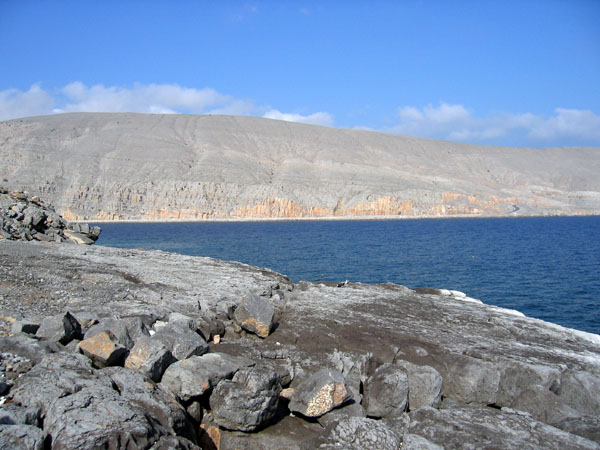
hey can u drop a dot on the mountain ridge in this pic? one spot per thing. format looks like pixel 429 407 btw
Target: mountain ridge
pixel 127 166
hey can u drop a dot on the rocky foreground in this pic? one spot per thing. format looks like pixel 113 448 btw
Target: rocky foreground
pixel 119 348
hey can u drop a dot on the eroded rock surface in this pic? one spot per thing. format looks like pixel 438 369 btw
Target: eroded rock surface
pixel 478 376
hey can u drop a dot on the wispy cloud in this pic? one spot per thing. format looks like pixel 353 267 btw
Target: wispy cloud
pixel 318 118
pixel 17 103
pixel 143 98
pixel 151 98
pixel 457 123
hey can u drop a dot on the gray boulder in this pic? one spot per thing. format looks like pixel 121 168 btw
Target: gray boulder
pixel 125 330
pixel 86 320
pixel 157 403
pixel 174 443
pixel 192 377
pixel 255 314
pixel 55 376
pixel 61 328
pixel 246 402
pixel 320 393
pixel 28 347
pixel 362 433
pixel 27 326
pixel 425 385
pixel 150 357
pixel 183 343
pixel 386 392
pixel 21 437
pixel 103 349
pixel 416 442
pixel 350 409
pixel 100 418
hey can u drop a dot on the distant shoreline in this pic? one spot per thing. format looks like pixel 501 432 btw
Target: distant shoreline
pixel 325 218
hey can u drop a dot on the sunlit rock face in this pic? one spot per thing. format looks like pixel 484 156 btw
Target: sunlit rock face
pixel 189 167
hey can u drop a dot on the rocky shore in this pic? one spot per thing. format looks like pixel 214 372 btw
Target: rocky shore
pixel 133 349
pixel 28 218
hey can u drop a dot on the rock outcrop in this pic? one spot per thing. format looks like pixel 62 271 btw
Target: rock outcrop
pixel 26 217
pixel 95 166
pixel 348 365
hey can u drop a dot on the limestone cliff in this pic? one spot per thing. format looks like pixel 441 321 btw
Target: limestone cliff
pixel 95 166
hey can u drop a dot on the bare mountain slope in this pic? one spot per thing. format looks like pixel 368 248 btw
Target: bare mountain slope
pixel 136 166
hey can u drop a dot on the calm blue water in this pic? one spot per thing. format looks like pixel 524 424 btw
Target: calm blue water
pixel 547 268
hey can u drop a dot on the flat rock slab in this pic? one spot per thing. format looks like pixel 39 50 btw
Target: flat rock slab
pixel 192 377
pixel 473 427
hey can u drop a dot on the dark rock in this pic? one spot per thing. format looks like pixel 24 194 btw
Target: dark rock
pixel 362 433
pixel 350 409
pixel 25 326
pixel 157 403
pixel 100 418
pixel 255 314
pixel 12 414
pixel 386 392
pixel 246 402
pixel 183 343
pixel 416 442
pixel 125 330
pixel 55 376
pixel 174 443
pixel 320 393
pixel 104 349
pixel 86 320
pixel 21 437
pixel 150 357
pixel 192 377
pixel 61 328
pixel 27 347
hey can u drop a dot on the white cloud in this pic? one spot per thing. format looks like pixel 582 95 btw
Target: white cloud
pixel 151 98
pixel 457 123
pixel 318 118
pixel 16 103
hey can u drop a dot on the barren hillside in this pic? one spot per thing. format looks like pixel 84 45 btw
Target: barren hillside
pixel 148 167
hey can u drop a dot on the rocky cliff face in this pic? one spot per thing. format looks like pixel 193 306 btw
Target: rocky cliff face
pixel 185 167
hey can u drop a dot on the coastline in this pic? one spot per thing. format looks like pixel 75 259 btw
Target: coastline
pixel 329 218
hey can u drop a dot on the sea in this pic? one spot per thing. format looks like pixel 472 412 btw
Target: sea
pixel 545 267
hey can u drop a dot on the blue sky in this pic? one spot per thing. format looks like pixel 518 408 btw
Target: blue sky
pixel 523 73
